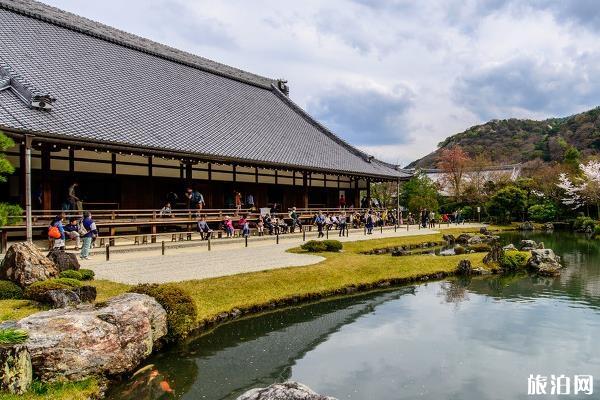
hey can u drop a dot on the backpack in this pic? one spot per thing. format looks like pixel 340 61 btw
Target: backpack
pixel 53 232
pixel 81 229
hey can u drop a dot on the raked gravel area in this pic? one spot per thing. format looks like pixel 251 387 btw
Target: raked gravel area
pixel 225 259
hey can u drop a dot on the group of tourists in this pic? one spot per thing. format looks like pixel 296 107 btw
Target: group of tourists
pixel 82 230
pixel 429 218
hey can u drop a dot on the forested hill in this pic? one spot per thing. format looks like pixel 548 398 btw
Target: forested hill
pixel 512 141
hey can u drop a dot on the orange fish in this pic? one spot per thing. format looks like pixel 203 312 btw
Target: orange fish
pixel 164 385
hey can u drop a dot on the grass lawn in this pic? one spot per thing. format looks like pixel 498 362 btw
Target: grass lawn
pixel 246 291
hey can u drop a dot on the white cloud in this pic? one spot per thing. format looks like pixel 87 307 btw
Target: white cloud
pixel 434 68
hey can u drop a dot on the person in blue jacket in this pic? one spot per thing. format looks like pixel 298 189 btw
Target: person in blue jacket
pixel 89 226
pixel 59 243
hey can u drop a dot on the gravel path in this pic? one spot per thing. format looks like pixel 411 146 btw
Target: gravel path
pixel 198 263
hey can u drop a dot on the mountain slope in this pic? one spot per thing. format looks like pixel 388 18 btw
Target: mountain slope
pixel 512 141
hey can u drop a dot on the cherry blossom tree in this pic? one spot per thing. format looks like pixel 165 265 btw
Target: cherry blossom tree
pixel 583 189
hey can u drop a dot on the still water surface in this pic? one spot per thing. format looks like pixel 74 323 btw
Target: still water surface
pixel 457 339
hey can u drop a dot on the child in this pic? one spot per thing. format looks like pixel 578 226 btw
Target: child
pixel 72 231
pixel 228 227
pixel 260 226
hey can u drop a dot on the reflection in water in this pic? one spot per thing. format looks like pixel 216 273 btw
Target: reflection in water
pixel 480 342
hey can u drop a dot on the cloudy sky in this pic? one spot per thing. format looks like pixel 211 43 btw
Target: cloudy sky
pixel 392 77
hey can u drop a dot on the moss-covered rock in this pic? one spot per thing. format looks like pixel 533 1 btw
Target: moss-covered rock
pixel 37 291
pixel 179 305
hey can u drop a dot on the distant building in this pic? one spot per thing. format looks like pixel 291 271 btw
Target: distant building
pixel 491 173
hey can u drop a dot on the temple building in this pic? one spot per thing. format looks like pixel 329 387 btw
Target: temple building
pixel 131 120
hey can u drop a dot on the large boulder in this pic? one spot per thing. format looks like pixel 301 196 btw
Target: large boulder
pixel 544 262
pixel 283 391
pixel 64 260
pixel 548 226
pixel 74 343
pixel 24 264
pixel 527 245
pixel 494 256
pixel 15 369
pixel 60 298
pixel 463 238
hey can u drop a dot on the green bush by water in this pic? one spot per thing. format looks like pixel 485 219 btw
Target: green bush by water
pixel 512 261
pixel 179 305
pixel 10 291
pixel 581 224
pixel 12 336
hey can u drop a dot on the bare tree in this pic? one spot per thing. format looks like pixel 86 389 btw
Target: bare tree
pixel 454 163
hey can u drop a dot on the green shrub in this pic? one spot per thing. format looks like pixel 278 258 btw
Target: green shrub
pixel 479 247
pixel 332 245
pixel 314 246
pixel 10 214
pixel 581 224
pixel 597 231
pixel 542 212
pixel 71 274
pixel 12 336
pixel 87 274
pixel 37 290
pixel 10 290
pixel 511 261
pixel 179 305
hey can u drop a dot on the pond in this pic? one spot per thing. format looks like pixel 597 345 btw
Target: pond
pixel 455 339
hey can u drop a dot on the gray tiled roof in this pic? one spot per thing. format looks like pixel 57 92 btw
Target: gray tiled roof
pixel 117 88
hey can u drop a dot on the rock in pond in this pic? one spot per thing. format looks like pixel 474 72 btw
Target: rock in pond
pixel 15 369
pixel 24 264
pixel 527 245
pixel 548 226
pixel 509 247
pixel 464 268
pixel 495 255
pixel 64 260
pixel 544 262
pixel 74 343
pixel 283 391
pixel 527 226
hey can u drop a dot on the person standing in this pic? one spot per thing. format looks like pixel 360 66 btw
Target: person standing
pixel 295 219
pixel 89 227
pixel 320 221
pixel 342 224
pixel 74 201
pixel 238 201
pixel 342 201
pixel 250 201
pixel 369 222
pixel 195 199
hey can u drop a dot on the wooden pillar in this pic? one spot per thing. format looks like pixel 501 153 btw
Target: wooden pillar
pixel 234 172
pixel 45 182
pixel 113 164
pixel 22 176
pixel 72 160
pixel 188 173
pixel 28 214
pixel 150 166
pixel 304 190
pixel 368 192
pixel 356 193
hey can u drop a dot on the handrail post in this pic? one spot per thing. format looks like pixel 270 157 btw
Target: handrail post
pixel 107 253
pixel 163 247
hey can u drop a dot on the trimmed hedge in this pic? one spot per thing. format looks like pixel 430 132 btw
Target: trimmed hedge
pixel 87 274
pixel 10 291
pixel 37 290
pixel 316 246
pixel 71 274
pixel 333 245
pixel 179 305
pixel 80 275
